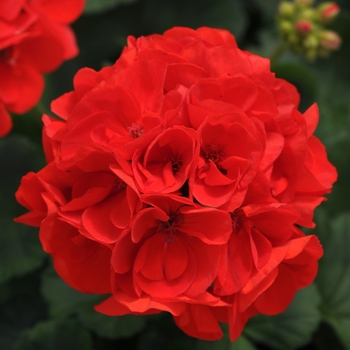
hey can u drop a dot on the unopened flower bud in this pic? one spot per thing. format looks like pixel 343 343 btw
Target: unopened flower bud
pixel 328 11
pixel 311 54
pixel 304 3
pixel 286 27
pixel 303 26
pixel 308 14
pixel 286 9
pixel 311 42
pixel 330 40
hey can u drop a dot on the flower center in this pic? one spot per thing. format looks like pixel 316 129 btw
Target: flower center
pixel 176 164
pixel 119 185
pixel 213 153
pixel 172 225
pixel 236 222
pixel 135 131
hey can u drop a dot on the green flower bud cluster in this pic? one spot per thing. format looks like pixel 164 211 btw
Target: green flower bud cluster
pixel 302 27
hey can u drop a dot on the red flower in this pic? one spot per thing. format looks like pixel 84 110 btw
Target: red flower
pixel 179 248
pixel 35 38
pixel 226 166
pixel 179 176
pixel 168 161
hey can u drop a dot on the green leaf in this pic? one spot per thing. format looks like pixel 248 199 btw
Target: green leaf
pixel 325 338
pixel 21 309
pixel 152 339
pixel 162 333
pixel 20 250
pixel 97 6
pixel 341 326
pixel 111 327
pixel 290 329
pixel 333 279
pixel 55 335
pixel 61 298
pixel 242 343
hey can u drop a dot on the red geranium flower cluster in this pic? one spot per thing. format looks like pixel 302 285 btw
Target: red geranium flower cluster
pixel 34 38
pixel 176 181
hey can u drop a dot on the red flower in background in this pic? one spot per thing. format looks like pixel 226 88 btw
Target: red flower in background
pixel 35 38
pixel 176 181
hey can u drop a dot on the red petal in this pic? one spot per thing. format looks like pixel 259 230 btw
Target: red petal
pixel 262 246
pixel 63 11
pixel 279 295
pixel 163 288
pixel 147 222
pixel 124 253
pixel 175 258
pixel 236 265
pixel 182 74
pixel 145 79
pixel 198 321
pixel 139 305
pixel 207 264
pixel 150 258
pixel 20 87
pixel 84 265
pixel 96 220
pixel 311 116
pixel 211 226
pixel 44 53
pixel 9 10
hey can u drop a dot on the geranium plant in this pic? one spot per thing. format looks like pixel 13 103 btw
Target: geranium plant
pixel 181 177
pixel 176 179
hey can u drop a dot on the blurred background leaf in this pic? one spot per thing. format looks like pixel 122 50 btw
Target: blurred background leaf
pixel 242 343
pixel 21 308
pixel 20 250
pixel 333 279
pixel 333 81
pixel 96 6
pixel 291 329
pixel 63 300
pixel 111 327
pixel 55 335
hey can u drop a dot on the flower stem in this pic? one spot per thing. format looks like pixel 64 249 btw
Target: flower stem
pixel 277 53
